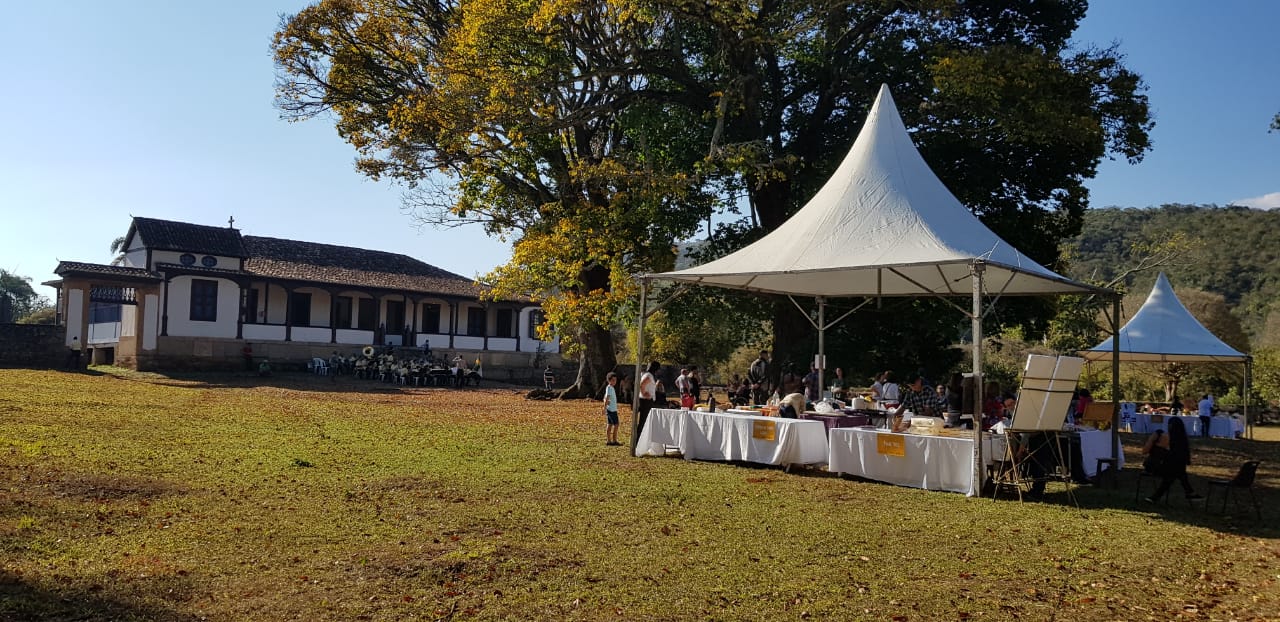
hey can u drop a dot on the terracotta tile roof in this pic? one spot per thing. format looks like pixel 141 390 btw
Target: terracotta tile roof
pixel 172 235
pixel 75 267
pixel 344 265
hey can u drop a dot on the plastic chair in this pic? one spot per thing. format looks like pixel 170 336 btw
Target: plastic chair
pixel 319 366
pixel 1243 480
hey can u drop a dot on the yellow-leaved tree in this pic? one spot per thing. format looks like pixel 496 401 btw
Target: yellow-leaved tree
pixel 528 117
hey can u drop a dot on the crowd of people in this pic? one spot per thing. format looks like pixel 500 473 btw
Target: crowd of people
pixel 390 365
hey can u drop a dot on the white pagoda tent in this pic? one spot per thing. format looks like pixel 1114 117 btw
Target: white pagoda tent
pixel 1164 331
pixel 883 225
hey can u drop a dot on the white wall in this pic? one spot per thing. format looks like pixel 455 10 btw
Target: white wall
pixel 180 324
pixel 151 322
pixel 310 334
pixel 275 308
pixel 359 337
pixel 263 332
pixel 529 343
pixel 224 262
pixel 128 320
pixel 75 315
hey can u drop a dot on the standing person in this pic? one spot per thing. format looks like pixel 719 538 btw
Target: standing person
pixel 954 399
pixel 812 392
pixel 1175 405
pixel 921 400
pixel 758 376
pixel 1205 408
pixel 1168 455
pixel 890 394
pixel 694 380
pixel 877 386
pixel 838 386
pixel 648 392
pixel 74 351
pixel 992 406
pixel 459 370
pixel 682 383
pixel 246 353
pixel 611 410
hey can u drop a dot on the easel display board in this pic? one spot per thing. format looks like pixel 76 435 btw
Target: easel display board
pixel 1047 385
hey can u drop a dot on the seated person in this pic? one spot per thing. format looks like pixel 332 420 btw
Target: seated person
pixel 264 368
pixel 791 406
pixel 743 396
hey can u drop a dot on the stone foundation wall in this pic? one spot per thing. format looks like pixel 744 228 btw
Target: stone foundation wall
pixel 32 345
pixel 205 354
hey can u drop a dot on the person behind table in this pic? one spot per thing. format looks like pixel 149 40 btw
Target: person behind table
pixel 812 392
pixel 743 396
pixel 890 392
pixel 459 371
pixel 1083 402
pixel 1168 456
pixel 611 409
pixel 791 406
pixel 1175 405
pixel 920 399
pixel 839 386
pixel 758 376
pixel 992 406
pixel 954 399
pixel 648 393
pixel 1205 410
pixel 695 383
pixel 682 382
pixel 877 386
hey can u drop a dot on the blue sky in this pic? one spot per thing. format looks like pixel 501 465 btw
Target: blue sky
pixel 164 109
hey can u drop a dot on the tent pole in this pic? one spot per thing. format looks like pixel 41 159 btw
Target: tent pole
pixel 1248 380
pixel 976 270
pixel 1115 379
pixel 822 351
pixel 635 386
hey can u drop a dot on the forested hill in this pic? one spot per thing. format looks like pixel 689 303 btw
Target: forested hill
pixel 1232 251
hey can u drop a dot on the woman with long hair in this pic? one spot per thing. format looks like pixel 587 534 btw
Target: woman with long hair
pixel 1168 456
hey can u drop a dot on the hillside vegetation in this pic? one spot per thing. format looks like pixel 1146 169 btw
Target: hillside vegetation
pixel 1232 251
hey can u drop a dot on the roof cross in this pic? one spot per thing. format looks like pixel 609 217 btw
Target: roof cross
pixel 231 222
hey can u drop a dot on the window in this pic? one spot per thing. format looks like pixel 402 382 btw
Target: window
pixel 368 316
pixel 536 318
pixel 343 313
pixel 475 321
pixel 103 312
pixel 504 323
pixel 430 318
pixel 300 309
pixel 204 300
pixel 251 306
pixel 395 315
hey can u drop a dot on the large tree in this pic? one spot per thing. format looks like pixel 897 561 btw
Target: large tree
pixel 533 116
pixel 1009 115
pixel 18 300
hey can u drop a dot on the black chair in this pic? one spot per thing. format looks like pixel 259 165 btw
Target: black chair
pixel 1243 480
pixel 1143 474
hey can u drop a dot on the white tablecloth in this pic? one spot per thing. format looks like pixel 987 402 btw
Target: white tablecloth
pixel 929 462
pixel 724 436
pixel 1143 423
pixel 1093 445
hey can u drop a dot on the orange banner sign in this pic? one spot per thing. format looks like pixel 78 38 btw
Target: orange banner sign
pixel 891 445
pixel 764 430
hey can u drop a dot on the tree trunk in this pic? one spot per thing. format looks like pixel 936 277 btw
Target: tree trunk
pixel 598 356
pixel 595 361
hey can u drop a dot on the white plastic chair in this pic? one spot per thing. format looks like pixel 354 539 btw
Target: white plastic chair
pixel 319 366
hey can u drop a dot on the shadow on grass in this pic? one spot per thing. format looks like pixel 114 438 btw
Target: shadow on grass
pixel 20 600
pixel 295 381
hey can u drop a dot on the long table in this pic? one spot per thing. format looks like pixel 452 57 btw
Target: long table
pixel 726 436
pixel 1146 423
pixel 934 462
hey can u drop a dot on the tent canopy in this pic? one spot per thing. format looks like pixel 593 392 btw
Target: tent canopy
pixel 883 225
pixel 1163 330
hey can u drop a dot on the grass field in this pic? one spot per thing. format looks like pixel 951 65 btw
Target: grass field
pixel 128 496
